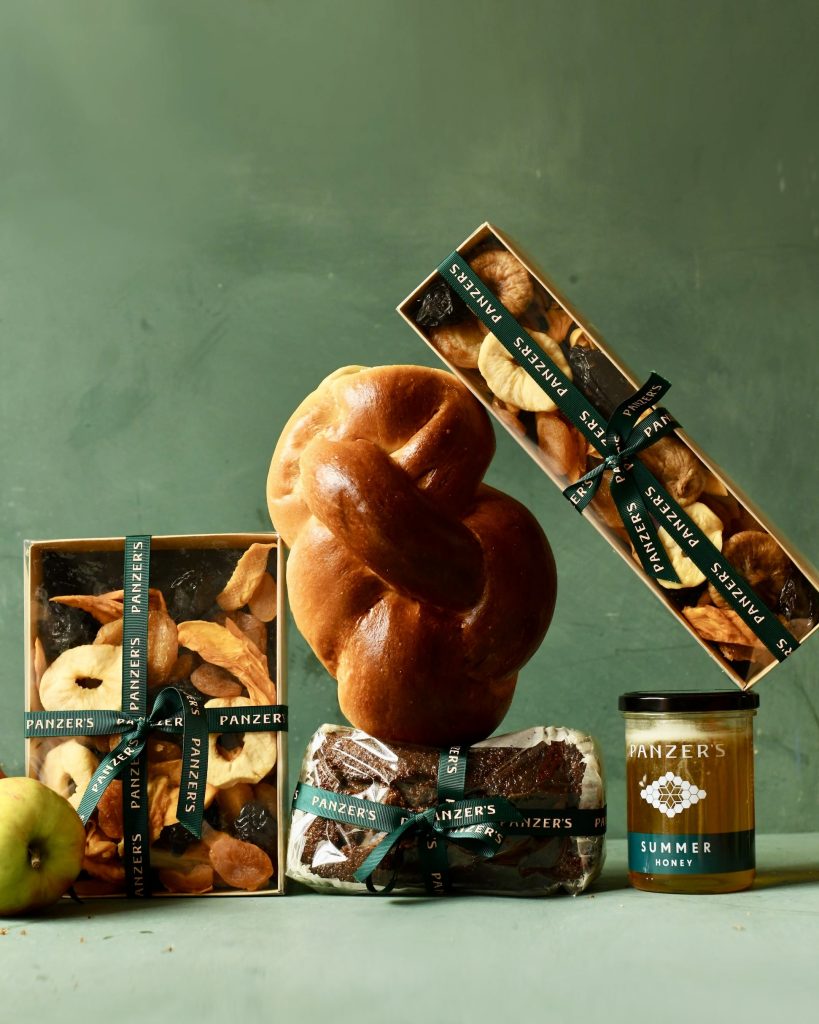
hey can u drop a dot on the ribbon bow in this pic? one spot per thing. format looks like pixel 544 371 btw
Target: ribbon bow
pixel 170 702
pixel 623 438
pixel 471 824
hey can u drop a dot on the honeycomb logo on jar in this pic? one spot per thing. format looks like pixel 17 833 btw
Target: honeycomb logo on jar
pixel 671 794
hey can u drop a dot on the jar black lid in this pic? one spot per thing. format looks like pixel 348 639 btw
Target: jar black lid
pixel 647 701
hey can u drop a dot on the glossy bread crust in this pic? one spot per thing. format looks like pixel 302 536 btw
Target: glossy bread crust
pixel 422 590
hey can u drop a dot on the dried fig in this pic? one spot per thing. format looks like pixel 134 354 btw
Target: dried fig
pixel 503 274
pixel 459 343
pixel 689 575
pixel 677 468
pixel 763 563
pixel 508 414
pixel 508 380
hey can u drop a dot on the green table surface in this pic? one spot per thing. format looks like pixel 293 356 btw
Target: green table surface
pixel 614 954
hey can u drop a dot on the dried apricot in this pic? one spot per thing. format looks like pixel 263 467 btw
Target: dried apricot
pixel 242 865
pixel 197 879
pixel 109 811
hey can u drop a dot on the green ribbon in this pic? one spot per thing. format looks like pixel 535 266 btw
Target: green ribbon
pixel 478 825
pixel 638 495
pixel 261 718
pixel 136 574
pixel 173 711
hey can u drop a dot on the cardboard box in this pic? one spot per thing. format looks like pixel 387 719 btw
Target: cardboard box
pixel 789 583
pixel 190 571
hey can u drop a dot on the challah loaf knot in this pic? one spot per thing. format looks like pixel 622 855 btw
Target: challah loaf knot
pixel 422 590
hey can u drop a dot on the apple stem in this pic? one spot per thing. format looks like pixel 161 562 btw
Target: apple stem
pixel 34 857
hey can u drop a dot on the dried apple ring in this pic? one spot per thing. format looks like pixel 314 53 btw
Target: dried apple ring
pixel 509 382
pixel 85 678
pixel 762 562
pixel 246 577
pixel 163 647
pixel 506 276
pixel 688 573
pixel 254 759
pixel 67 769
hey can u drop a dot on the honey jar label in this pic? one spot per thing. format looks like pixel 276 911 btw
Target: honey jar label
pixel 652 853
pixel 690 808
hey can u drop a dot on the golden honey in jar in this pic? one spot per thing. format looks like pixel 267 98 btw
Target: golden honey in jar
pixel 690 790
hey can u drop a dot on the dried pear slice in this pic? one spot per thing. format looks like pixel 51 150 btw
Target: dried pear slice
pixel 219 646
pixel 246 577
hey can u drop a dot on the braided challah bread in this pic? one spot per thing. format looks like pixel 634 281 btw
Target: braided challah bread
pixel 422 590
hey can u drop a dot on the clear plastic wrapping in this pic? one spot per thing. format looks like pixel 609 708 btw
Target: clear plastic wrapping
pixel 543 768
pixel 213 632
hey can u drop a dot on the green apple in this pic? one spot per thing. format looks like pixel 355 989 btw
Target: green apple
pixel 42 841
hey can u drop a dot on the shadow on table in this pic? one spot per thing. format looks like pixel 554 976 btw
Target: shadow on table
pixel 800 875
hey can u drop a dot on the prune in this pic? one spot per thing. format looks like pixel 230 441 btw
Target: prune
pixel 255 824
pixel 213 816
pixel 600 381
pixel 63 627
pixel 190 594
pixel 438 305
pixel 797 599
pixel 175 838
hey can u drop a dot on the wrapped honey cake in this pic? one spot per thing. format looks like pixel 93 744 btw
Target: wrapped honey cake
pixel 518 814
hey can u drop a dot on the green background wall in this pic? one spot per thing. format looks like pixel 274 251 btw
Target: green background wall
pixel 206 207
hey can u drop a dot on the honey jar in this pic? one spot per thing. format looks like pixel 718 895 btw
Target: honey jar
pixel 690 790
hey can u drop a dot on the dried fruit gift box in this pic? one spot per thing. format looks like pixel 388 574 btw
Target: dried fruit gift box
pixel 537 365
pixel 187 730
